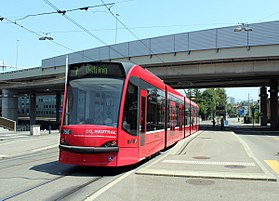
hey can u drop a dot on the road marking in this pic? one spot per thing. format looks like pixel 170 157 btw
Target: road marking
pixel 274 165
pixel 208 162
pixel 44 148
pixel 3 156
pixel 276 138
pixel 107 187
pixel 12 137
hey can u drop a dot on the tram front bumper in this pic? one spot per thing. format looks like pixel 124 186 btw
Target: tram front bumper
pixel 88 150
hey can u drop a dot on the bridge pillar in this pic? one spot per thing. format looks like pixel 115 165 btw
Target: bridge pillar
pixel 274 104
pixel 263 106
pixel 32 109
pixel 9 104
pixel 58 107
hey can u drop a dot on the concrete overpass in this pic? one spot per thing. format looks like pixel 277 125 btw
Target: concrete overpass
pixel 210 58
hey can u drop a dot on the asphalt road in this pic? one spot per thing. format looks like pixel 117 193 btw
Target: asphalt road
pixel 264 145
pixel 38 176
pixel 35 174
pixel 147 187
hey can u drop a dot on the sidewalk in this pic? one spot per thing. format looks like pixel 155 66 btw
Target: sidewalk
pixel 210 154
pixel 20 143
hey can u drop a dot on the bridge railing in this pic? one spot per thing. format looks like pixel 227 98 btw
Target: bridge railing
pixel 8 124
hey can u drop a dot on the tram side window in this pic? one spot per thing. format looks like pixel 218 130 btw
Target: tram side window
pixel 155 110
pixel 177 122
pixel 129 121
pixel 180 118
pixel 194 116
pixel 186 115
pixel 198 116
pixel 175 113
pixel 168 114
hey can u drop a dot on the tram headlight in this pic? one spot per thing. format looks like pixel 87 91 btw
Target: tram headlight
pixel 112 143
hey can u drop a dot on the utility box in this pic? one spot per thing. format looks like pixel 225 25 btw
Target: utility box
pixel 35 130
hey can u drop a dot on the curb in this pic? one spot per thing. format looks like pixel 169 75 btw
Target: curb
pixel 206 175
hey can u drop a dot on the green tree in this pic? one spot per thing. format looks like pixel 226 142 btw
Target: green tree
pixel 231 110
pixel 221 97
pixel 208 100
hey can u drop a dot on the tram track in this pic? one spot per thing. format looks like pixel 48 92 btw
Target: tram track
pixel 57 196
pixel 66 185
pixel 27 155
pixel 36 186
pixel 73 181
pixel 18 161
pixel 71 192
pixel 75 172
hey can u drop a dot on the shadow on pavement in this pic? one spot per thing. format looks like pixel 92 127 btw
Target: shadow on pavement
pixel 56 168
pixel 244 130
pixel 211 128
pixel 257 132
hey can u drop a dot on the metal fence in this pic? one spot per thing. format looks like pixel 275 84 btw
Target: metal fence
pixel 266 33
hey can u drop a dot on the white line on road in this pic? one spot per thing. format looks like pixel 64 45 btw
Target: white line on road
pixel 45 148
pixel 3 156
pixel 105 188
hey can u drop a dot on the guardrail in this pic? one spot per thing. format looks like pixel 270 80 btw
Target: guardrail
pixel 8 124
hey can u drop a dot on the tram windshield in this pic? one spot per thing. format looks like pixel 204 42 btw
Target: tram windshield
pixel 93 101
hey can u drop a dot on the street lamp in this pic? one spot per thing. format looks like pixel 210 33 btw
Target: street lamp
pixel 243 27
pixel 46 37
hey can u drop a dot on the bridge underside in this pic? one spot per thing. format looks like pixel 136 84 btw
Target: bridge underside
pixel 219 74
pixel 199 69
pixel 207 74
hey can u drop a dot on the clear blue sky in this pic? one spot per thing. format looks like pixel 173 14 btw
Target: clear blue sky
pixel 242 94
pixel 146 18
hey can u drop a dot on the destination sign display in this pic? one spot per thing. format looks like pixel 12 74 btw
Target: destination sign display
pixel 96 70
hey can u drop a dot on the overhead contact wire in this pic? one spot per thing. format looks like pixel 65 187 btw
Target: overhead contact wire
pixel 82 28
pixel 130 31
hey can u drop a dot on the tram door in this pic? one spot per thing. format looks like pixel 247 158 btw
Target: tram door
pixel 142 123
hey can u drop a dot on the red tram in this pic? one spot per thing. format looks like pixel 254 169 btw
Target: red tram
pixel 117 114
